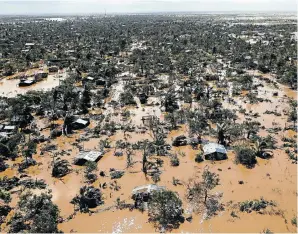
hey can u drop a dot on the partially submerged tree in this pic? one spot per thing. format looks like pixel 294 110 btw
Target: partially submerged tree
pixel 35 214
pixel 61 168
pixel 89 197
pixel 165 209
pixel 245 155
pixel 200 195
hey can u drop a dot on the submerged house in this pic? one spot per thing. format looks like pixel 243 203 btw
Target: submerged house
pixel 24 82
pixel 142 193
pixel 88 156
pixel 53 69
pixel 214 151
pixel 21 119
pixel 80 124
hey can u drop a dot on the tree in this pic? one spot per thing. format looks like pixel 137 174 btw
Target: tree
pixel 61 168
pixel 172 118
pixel 165 208
pixel 91 167
pixel 251 127
pixel 35 214
pixel 89 197
pixel 293 116
pixel 245 155
pixel 200 190
pixel 221 132
pixel 200 196
pixel 263 143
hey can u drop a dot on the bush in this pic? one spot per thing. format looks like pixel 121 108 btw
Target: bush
pixel 199 158
pixel 61 168
pixel 156 177
pixel 116 174
pixel 175 161
pixel 255 205
pixel 245 156
pixel 5 196
pixel 294 221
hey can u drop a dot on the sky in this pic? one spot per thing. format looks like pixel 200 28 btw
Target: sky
pixel 40 7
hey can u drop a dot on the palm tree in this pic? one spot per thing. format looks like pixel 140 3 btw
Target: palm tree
pixel 221 129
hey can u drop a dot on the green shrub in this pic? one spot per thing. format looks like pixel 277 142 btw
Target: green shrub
pixel 199 158
pixel 175 161
pixel 245 156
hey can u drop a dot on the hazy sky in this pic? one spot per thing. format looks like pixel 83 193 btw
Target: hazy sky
pixel 140 6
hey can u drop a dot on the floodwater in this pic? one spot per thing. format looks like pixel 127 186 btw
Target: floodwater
pixel 274 179
pixel 10 88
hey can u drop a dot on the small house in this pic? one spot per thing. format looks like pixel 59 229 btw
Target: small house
pixel 53 69
pixel 142 193
pixel 148 119
pixel 24 82
pixel 213 151
pixel 100 81
pixel 80 124
pixel 9 128
pixel 88 156
pixel 21 119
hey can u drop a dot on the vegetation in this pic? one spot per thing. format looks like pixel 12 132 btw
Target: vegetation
pixel 35 213
pixel 165 209
pixel 245 155
pixel 143 90
pixel 200 196
pixel 255 205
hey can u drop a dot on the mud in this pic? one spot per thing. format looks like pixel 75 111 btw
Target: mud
pixel 274 179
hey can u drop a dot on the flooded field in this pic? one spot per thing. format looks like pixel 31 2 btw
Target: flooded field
pixel 274 179
pixel 10 88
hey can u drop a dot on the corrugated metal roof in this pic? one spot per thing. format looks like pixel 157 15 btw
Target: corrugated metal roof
pixel 147 188
pixel 81 121
pixel 8 127
pixel 91 156
pixel 211 148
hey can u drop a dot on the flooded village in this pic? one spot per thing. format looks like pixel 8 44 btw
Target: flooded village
pixel 148 123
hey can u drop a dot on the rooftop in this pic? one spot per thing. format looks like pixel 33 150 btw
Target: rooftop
pixel 147 188
pixel 91 156
pixel 211 148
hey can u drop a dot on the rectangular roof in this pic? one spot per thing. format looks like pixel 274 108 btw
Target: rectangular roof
pixel 81 121
pixel 211 148
pixel 91 156
pixel 147 188
pixel 9 127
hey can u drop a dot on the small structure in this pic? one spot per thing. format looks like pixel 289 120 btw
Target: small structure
pixel 88 79
pixel 9 128
pixel 213 151
pixel 29 44
pixel 21 119
pixel 24 82
pixel 100 81
pixel 87 156
pixel 143 98
pixel 180 141
pixel 40 76
pixel 142 193
pixel 148 119
pixel 53 69
pixel 80 124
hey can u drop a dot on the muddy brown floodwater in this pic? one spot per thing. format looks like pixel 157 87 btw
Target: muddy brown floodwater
pixel 274 179
pixel 10 88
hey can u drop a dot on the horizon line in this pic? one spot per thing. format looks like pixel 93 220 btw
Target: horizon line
pixel 151 13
